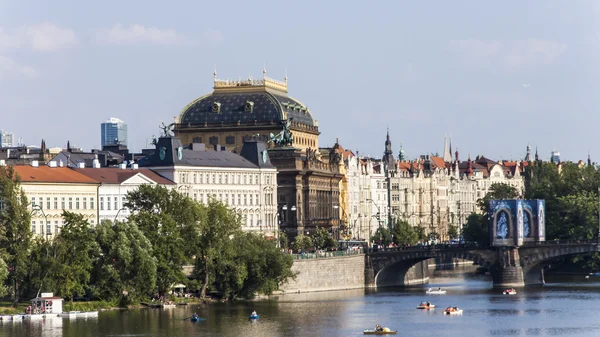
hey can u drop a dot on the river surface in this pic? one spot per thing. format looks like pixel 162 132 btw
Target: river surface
pixel 570 307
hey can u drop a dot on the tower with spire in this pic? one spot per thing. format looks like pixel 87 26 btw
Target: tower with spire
pixel 389 163
pixel 528 155
pixel 447 150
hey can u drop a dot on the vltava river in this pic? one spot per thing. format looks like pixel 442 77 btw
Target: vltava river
pixel 557 309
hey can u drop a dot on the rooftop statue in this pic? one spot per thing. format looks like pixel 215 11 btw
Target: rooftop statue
pixel 167 129
pixel 285 137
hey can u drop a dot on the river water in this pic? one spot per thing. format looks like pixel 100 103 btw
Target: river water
pixel 566 306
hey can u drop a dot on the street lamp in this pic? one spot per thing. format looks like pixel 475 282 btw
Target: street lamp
pixel 116 216
pixel 39 209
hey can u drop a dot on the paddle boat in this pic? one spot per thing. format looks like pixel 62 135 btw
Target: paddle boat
pixel 385 331
pixel 453 311
pixel 425 305
pixel 510 291
pixel 254 316
pixel 439 291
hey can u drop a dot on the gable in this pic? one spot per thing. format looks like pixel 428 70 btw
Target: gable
pixel 138 179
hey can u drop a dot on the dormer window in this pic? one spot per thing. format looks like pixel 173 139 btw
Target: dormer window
pixel 216 107
pixel 249 107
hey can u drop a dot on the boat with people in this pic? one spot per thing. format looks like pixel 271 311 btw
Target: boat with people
pixel 426 305
pixel 453 311
pixel 438 291
pixel 195 318
pixel 253 315
pixel 379 330
pixel 510 291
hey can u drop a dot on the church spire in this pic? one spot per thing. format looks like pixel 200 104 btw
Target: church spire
pixel 389 163
pixel 447 154
pixel 528 155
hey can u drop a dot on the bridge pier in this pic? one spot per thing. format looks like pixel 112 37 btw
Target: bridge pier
pixel 508 271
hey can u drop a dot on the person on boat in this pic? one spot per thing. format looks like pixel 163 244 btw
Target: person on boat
pixel 440 289
pixel 378 327
pixel 428 304
pixel 195 316
pixel 253 313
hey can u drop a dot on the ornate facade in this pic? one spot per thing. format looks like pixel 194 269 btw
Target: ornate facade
pixel 308 190
pixel 238 109
pixel 427 192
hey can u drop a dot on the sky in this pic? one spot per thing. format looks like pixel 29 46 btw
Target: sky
pixel 496 76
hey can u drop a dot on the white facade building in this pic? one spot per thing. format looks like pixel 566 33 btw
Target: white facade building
pixel 246 182
pixel 115 183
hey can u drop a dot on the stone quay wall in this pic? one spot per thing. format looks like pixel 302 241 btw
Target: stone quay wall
pixel 325 274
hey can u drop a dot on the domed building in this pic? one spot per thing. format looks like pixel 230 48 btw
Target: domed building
pixel 242 108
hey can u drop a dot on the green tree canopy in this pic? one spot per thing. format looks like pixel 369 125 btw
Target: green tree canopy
pixel 74 251
pixel 321 239
pixel 404 233
pixel 169 220
pixel 15 231
pixel 382 236
pixel 126 263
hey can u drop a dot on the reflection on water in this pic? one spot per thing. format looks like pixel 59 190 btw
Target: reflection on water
pixel 556 309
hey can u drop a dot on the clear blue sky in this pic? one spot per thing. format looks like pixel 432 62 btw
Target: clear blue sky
pixel 496 76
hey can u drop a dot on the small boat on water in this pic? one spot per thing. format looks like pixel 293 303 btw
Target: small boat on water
pixel 510 291
pixel 78 314
pixel 425 305
pixel 453 311
pixel 253 316
pixel 439 291
pixel 385 331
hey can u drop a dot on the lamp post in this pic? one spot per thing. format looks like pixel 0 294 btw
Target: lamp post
pixel 39 209
pixel 116 216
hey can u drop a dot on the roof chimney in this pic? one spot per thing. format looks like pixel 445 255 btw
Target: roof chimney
pixel 60 163
pixel 96 162
pixel 2 162
pixel 52 163
pixel 81 164
pixel 34 163
pixel 123 166
pixel 134 166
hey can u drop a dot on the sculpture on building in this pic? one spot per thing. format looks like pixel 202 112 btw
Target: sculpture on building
pixel 166 129
pixel 285 137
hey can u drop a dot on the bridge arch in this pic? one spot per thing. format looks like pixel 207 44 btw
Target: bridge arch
pixel 391 269
pixel 536 259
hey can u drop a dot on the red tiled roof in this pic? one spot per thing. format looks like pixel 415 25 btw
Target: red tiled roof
pixel 47 174
pixel 114 175
pixel 438 161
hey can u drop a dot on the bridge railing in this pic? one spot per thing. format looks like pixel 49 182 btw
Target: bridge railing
pixel 473 245
pixel 324 254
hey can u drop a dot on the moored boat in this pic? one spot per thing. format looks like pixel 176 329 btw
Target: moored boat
pixel 439 291
pixel 509 292
pixel 385 331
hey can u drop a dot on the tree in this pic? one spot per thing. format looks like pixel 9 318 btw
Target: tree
pixel 169 220
pixel 453 232
pixel 498 191
pixel 302 242
pixel 257 267
pixel 382 236
pixel 421 237
pixel 476 229
pixel 74 252
pixel 404 233
pixel 216 239
pixel 15 230
pixel 321 239
pixel 126 264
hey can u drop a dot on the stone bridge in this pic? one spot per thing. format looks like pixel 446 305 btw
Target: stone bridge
pixel 509 266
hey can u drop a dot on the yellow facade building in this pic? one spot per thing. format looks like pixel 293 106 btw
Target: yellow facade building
pixel 51 190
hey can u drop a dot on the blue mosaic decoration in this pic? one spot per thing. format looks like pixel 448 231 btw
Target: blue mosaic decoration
pixel 502 226
pixel 526 228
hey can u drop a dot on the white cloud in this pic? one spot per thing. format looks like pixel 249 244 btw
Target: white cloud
pixel 137 34
pixel 47 37
pixel 8 65
pixel 508 54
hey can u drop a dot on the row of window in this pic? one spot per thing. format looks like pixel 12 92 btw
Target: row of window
pixel 53 203
pixel 110 203
pixel 253 220
pixel 48 231
pixel 233 199
pixel 223 178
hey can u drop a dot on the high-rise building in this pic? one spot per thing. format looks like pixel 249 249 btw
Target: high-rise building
pixel 6 139
pixel 113 131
